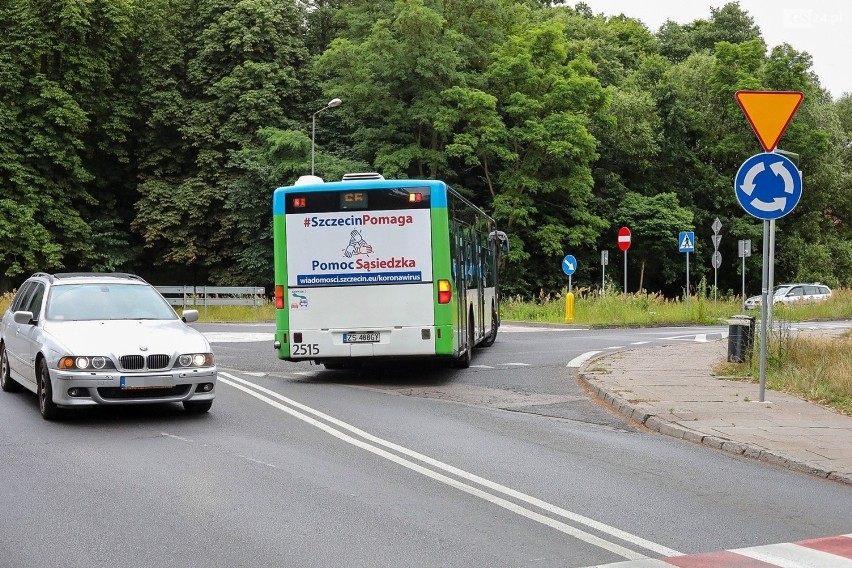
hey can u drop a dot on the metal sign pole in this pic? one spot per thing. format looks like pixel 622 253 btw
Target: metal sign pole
pixel 569 283
pixel 771 285
pixel 625 272
pixel 687 278
pixel 764 303
pixel 744 296
pixel 715 285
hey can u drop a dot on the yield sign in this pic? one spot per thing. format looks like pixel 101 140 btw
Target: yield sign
pixel 769 113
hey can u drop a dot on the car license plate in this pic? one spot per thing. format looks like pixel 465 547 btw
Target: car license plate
pixel 362 337
pixel 145 382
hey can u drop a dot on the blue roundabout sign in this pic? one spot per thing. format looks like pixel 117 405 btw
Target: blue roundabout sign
pixel 768 186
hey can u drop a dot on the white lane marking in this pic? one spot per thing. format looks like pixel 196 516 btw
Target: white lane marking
pixel 679 338
pixel 306 373
pixel 255 461
pixel 701 337
pixel 167 435
pixel 640 342
pixel 687 330
pixel 237 337
pixel 644 563
pixel 789 555
pixel 580 359
pixel 481 367
pixel 615 347
pixel 562 527
pixel 518 364
pixel 525 329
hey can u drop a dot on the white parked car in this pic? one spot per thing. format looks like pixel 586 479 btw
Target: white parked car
pixel 793 293
pixel 84 339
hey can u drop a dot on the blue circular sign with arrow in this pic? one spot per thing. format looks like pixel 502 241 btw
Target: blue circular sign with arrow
pixel 768 186
pixel 569 265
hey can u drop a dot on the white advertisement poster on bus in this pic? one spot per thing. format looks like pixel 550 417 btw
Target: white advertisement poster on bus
pixel 359 248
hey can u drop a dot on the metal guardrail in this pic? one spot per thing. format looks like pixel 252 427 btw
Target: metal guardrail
pixel 196 296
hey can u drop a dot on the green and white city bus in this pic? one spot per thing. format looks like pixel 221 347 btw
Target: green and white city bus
pixel 368 268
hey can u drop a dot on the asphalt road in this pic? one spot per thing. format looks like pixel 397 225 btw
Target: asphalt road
pixel 508 463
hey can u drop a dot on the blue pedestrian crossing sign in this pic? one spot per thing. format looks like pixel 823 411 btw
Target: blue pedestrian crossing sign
pixel 768 186
pixel 687 241
pixel 569 265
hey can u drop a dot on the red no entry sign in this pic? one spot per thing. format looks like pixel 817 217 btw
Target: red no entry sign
pixel 624 238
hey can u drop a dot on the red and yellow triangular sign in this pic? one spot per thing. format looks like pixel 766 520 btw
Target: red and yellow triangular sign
pixel 769 113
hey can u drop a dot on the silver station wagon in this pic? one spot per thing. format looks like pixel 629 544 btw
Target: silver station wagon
pixel 84 339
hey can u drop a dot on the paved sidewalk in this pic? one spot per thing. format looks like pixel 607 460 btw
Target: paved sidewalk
pixel 671 389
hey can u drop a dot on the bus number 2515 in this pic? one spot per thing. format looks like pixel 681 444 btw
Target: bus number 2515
pixel 306 349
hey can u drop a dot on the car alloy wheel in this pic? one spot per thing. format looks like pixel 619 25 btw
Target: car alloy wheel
pixel 48 408
pixel 7 383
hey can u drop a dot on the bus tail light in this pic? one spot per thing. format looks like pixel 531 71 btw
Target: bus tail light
pixel 445 292
pixel 279 297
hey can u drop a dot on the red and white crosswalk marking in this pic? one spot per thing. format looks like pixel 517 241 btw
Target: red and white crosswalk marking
pixel 829 552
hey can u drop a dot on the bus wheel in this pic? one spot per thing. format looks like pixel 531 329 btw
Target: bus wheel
pixel 464 359
pixel 488 340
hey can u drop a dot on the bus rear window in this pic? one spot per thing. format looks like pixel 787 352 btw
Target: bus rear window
pixel 384 199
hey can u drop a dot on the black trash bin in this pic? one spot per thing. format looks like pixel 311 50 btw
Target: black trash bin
pixel 740 338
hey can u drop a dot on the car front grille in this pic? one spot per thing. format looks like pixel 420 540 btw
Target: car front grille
pixel 115 393
pixel 158 361
pixel 137 362
pixel 132 362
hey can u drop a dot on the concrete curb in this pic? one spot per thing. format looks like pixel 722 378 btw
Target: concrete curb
pixel 657 424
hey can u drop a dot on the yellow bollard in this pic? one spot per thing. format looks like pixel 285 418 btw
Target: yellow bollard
pixel 569 306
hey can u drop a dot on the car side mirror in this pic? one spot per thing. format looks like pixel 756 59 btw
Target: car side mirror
pixel 189 316
pixel 23 317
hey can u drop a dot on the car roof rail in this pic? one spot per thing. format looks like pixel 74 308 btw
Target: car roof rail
pixel 98 274
pixel 42 275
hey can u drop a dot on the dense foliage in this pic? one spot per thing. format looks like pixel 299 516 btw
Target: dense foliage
pixel 148 135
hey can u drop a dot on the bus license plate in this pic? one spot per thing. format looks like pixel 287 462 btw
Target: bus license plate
pixel 363 337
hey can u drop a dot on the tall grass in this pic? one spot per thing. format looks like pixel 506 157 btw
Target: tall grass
pixel 264 313
pixel 5 300
pixel 616 308
pixel 816 367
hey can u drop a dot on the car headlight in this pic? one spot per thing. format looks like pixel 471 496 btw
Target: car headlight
pixel 195 360
pixel 85 362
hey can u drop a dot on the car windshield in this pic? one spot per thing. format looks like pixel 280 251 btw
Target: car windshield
pixel 87 302
pixel 780 290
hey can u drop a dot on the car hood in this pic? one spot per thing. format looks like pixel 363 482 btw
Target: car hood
pixel 123 337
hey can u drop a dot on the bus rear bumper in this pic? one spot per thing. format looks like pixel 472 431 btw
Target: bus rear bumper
pixel 389 342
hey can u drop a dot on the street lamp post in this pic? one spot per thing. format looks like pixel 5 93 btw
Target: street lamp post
pixel 331 104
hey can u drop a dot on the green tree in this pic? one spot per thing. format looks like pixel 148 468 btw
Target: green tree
pixel 654 224
pixel 547 102
pixel 60 124
pixel 230 69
